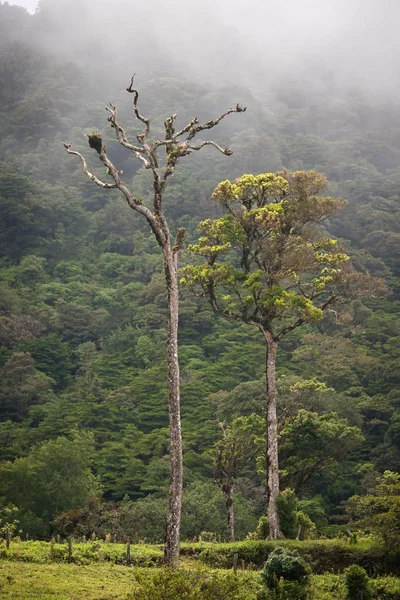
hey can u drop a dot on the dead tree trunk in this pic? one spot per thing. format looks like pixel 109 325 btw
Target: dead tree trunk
pixel 172 526
pixel 272 462
pixel 176 145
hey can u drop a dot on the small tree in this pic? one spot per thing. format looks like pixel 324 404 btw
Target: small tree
pixel 269 265
pixel 176 144
pixel 357 583
pixel 231 453
pixel 379 510
pixel 313 444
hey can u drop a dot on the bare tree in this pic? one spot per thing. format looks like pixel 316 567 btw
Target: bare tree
pixel 177 144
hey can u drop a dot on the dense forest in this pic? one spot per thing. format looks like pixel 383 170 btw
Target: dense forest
pixel 83 400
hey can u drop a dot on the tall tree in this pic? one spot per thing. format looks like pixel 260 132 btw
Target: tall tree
pixel 268 264
pixel 176 145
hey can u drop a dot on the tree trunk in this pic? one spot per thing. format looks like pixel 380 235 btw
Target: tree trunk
pixel 172 526
pixel 230 513
pixel 272 463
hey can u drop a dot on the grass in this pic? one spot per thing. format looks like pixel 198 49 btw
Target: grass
pixel 82 554
pixel 105 581
pixel 34 581
pixel 65 582
pixel 98 571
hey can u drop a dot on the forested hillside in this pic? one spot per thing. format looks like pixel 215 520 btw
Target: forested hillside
pixel 82 300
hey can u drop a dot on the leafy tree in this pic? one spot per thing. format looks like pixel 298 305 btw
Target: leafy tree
pixel 176 144
pixel 312 445
pixel 287 510
pixel 231 454
pixel 269 265
pixel 357 583
pixel 54 477
pixel 23 386
pixel 53 357
pixel 379 509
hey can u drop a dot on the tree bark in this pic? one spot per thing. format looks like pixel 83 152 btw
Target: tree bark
pixel 272 462
pixel 230 513
pixel 172 526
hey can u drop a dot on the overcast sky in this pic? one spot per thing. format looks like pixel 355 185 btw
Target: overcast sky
pixel 29 4
pixel 356 39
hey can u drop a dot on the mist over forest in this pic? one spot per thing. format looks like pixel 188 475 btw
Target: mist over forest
pixel 83 304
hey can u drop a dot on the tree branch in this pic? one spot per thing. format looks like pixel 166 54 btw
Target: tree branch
pixel 123 139
pixel 91 176
pixel 131 200
pixel 226 151
pixel 193 127
pixel 331 300
pixel 141 137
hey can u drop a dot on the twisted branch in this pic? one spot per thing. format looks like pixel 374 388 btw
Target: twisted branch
pixel 141 137
pixel 146 153
pixel 91 176
pixel 122 137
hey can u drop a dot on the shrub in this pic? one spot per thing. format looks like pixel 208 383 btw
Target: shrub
pixel 322 555
pixel 386 588
pixel 308 528
pixel 287 511
pixel 357 583
pixel 179 584
pixel 261 532
pixel 286 575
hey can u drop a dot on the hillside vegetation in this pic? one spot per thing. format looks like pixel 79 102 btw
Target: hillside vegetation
pixel 83 402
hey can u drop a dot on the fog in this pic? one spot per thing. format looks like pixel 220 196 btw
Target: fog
pixel 252 43
pixel 30 5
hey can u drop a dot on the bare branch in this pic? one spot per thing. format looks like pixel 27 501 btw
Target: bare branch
pixel 131 200
pixel 123 139
pixel 226 151
pixel 195 128
pixel 91 176
pixel 141 137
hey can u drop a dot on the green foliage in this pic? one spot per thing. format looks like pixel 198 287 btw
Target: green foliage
pixel 55 476
pixel 179 584
pixel 287 511
pixel 379 510
pixel 357 583
pixel 287 575
pixel 286 564
pixel 83 553
pixel 319 441
pixel 289 274
pixel 322 555
pixel 80 284
pixel 262 530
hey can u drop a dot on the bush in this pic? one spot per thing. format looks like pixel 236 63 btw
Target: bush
pixel 262 530
pixel 286 575
pixel 357 583
pixel 287 511
pixel 385 588
pixel 180 584
pixel 322 555
pixel 286 564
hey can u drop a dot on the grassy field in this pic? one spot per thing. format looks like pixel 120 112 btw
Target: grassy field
pixel 32 581
pixel 95 571
pixel 26 581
